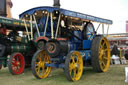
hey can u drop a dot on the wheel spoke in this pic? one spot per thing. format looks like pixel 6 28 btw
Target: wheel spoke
pixel 77 62
pixel 13 60
pixel 71 66
pixel 102 64
pixel 39 58
pixel 106 50
pixel 43 68
pixel 17 59
pixel 101 47
pixel 100 50
pixel 73 61
pixel 74 71
pixel 17 68
pixel 38 69
pixel 14 63
pixel 36 63
pixel 100 54
pixel 45 59
pixel 104 43
pixel 106 58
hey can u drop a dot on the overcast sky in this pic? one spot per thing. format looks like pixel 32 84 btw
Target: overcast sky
pixel 116 10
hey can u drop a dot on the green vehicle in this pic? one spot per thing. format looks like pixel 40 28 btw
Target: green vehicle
pixel 16 45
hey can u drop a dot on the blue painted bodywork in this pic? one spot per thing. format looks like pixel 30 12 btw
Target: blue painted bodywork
pixel 86 44
pixel 74 43
pixel 86 54
pixel 67 13
pixel 56 65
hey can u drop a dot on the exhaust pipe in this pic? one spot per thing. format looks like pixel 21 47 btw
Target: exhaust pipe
pixel 3 8
pixel 57 3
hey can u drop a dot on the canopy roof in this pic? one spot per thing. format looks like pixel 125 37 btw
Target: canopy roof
pixel 67 13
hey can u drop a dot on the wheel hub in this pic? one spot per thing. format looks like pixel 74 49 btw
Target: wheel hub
pixel 74 66
pixel 41 64
pixel 18 63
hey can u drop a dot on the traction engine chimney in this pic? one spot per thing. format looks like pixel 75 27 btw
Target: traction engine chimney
pixel 57 3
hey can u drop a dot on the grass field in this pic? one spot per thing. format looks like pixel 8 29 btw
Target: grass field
pixel 115 76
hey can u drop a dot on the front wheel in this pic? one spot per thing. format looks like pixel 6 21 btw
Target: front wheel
pixel 39 60
pixel 73 66
pixel 16 63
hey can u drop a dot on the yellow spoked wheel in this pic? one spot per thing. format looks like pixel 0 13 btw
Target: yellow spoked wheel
pixel 39 60
pixel 73 66
pixel 100 54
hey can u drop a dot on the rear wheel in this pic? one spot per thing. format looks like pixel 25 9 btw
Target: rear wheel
pixel 39 60
pixel 16 63
pixel 73 66
pixel 100 54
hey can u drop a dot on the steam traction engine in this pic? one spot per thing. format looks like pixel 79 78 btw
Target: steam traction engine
pixel 68 40
pixel 16 47
pixel 14 42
